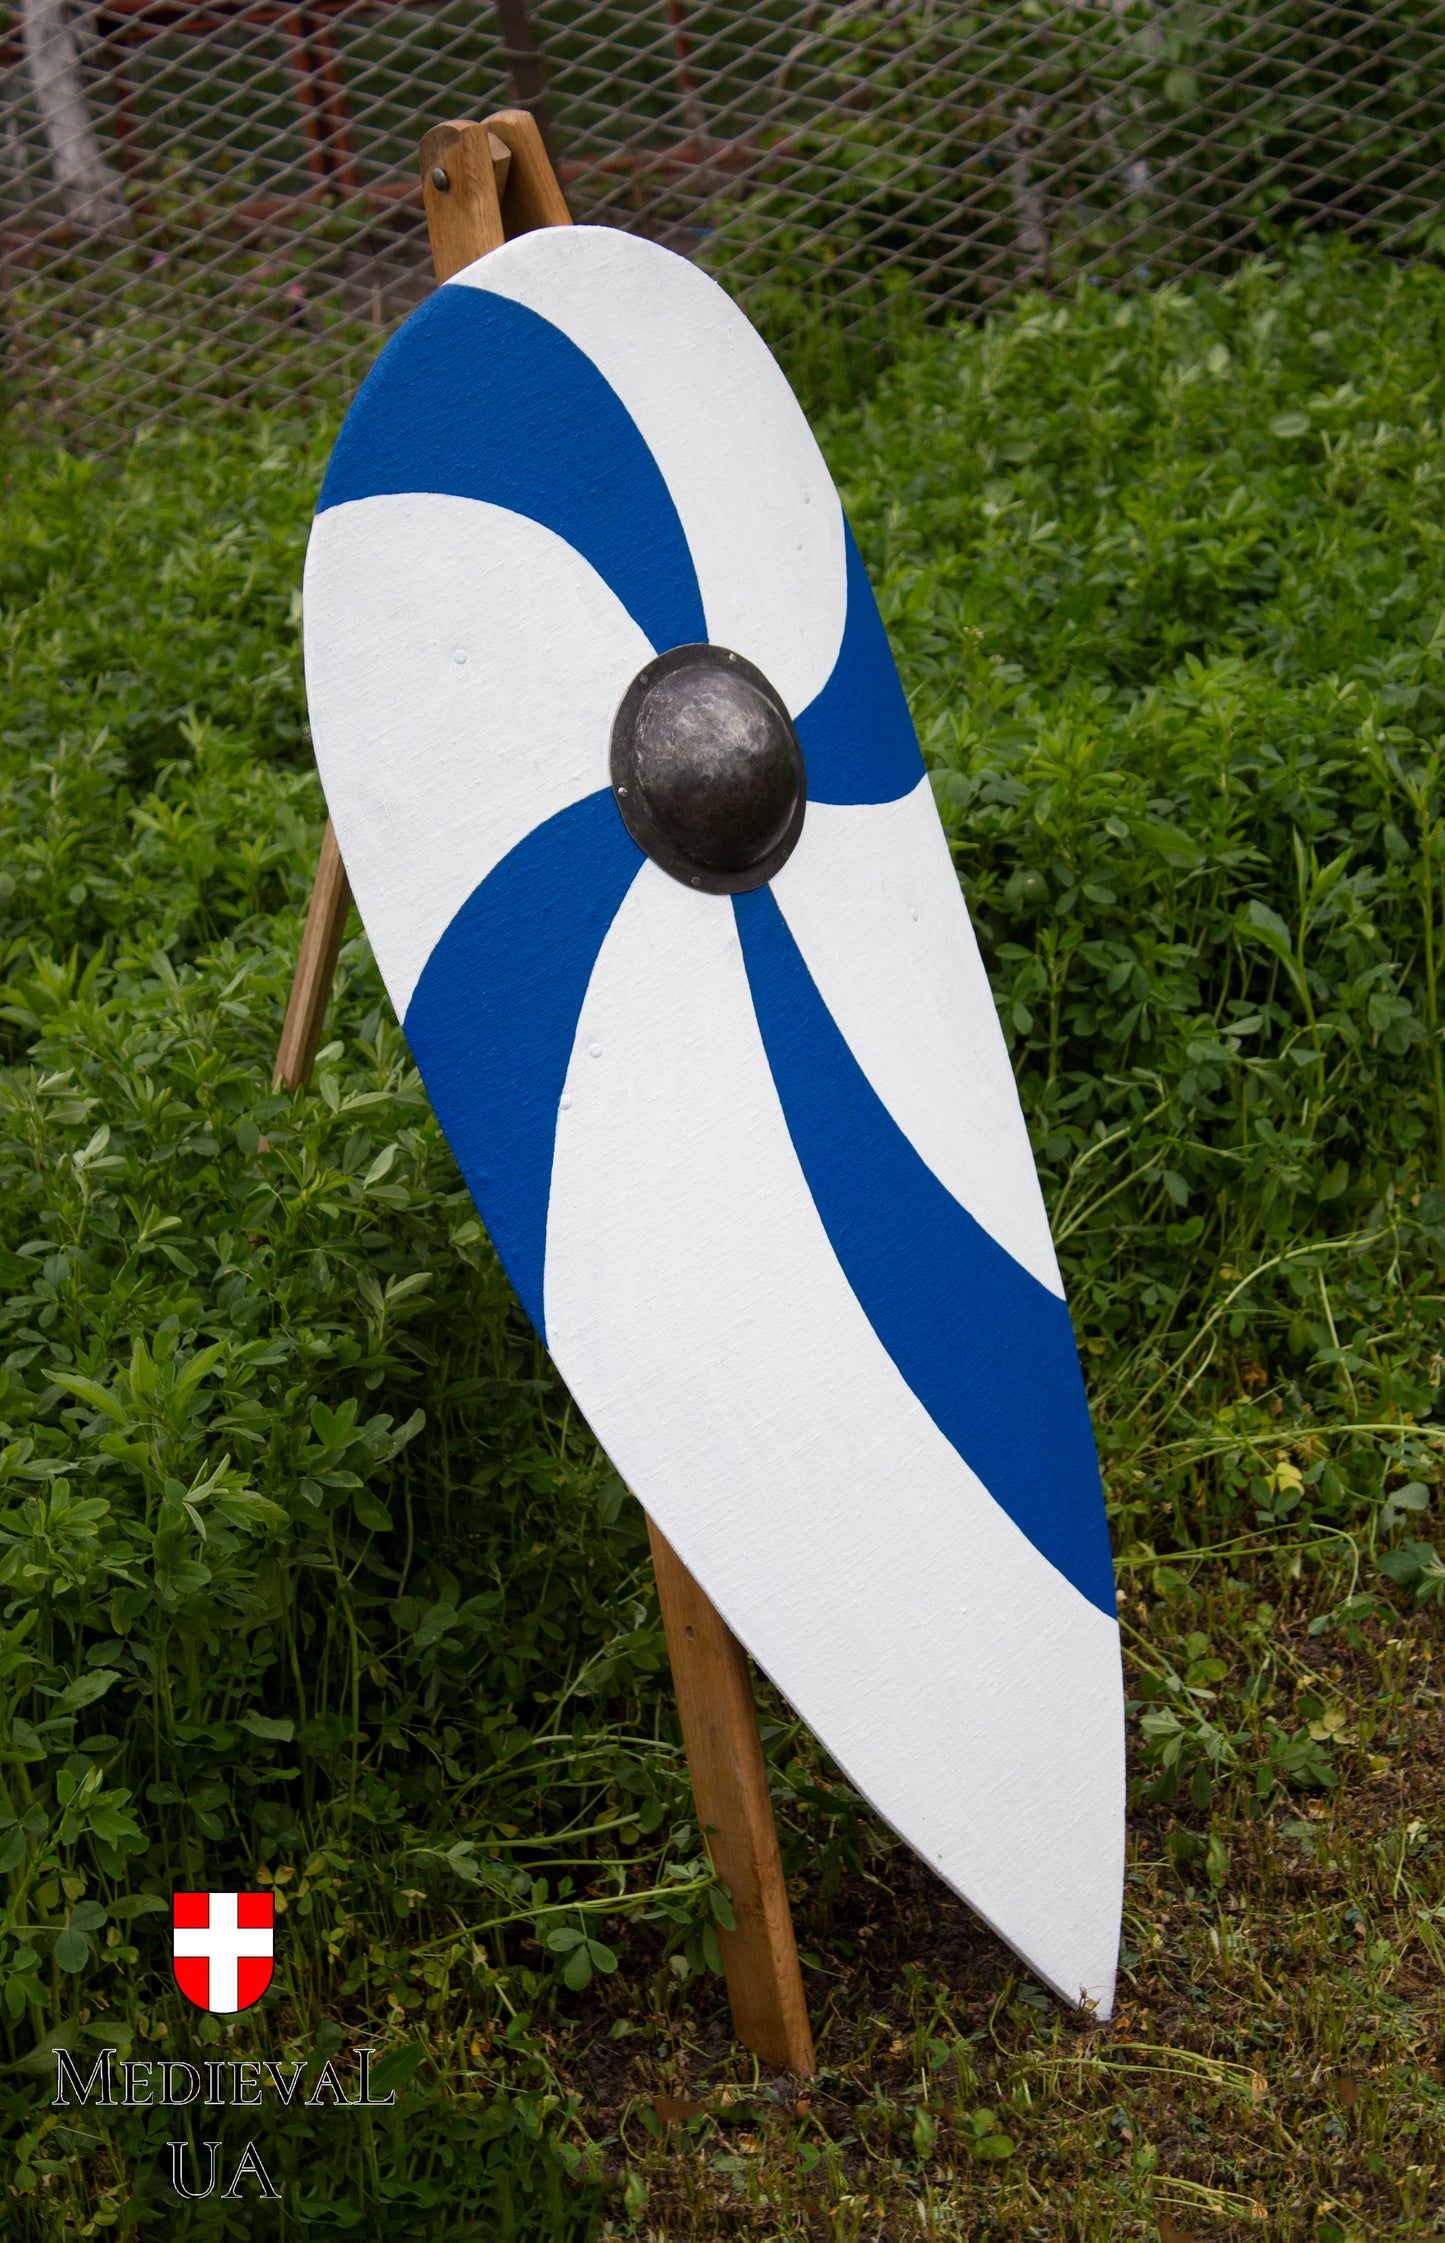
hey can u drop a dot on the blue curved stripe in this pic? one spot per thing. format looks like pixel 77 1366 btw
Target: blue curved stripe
pixel 493 1018
pixel 478 397
pixel 857 737
pixel 988 1351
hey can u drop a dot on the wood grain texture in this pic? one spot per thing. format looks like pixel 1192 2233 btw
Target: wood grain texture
pixel 464 215
pixel 533 197
pixel 315 968
pixel 735 1813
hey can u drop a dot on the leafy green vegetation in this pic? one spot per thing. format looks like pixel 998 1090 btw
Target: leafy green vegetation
pixel 962 153
pixel 312 1578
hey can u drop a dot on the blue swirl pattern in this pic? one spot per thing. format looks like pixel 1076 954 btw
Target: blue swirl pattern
pixel 985 1348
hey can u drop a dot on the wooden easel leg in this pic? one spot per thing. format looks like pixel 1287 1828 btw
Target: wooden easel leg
pixel 735 1812
pixel 315 968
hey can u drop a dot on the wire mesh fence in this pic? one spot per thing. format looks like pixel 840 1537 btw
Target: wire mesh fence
pixel 197 194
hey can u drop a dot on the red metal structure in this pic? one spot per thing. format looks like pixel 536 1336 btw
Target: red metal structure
pixel 123 27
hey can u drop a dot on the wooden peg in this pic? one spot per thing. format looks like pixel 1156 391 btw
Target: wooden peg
pixel 735 1813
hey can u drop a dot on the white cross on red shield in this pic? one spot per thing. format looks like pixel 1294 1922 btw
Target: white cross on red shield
pixel 222 1948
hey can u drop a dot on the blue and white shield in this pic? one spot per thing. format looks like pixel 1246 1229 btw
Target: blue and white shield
pixel 754 1161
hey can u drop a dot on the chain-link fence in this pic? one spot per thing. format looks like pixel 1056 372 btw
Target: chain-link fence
pixel 195 192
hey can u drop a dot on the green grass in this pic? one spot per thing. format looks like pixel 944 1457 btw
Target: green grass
pixel 312 1576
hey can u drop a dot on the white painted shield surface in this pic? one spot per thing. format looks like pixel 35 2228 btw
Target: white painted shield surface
pixel 755 1164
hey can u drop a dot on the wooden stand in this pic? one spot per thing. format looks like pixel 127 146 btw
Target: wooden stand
pixel 315 968
pixel 735 1812
pixel 483 184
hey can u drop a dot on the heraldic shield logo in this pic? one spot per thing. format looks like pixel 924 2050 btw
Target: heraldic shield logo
pixel 222 1948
